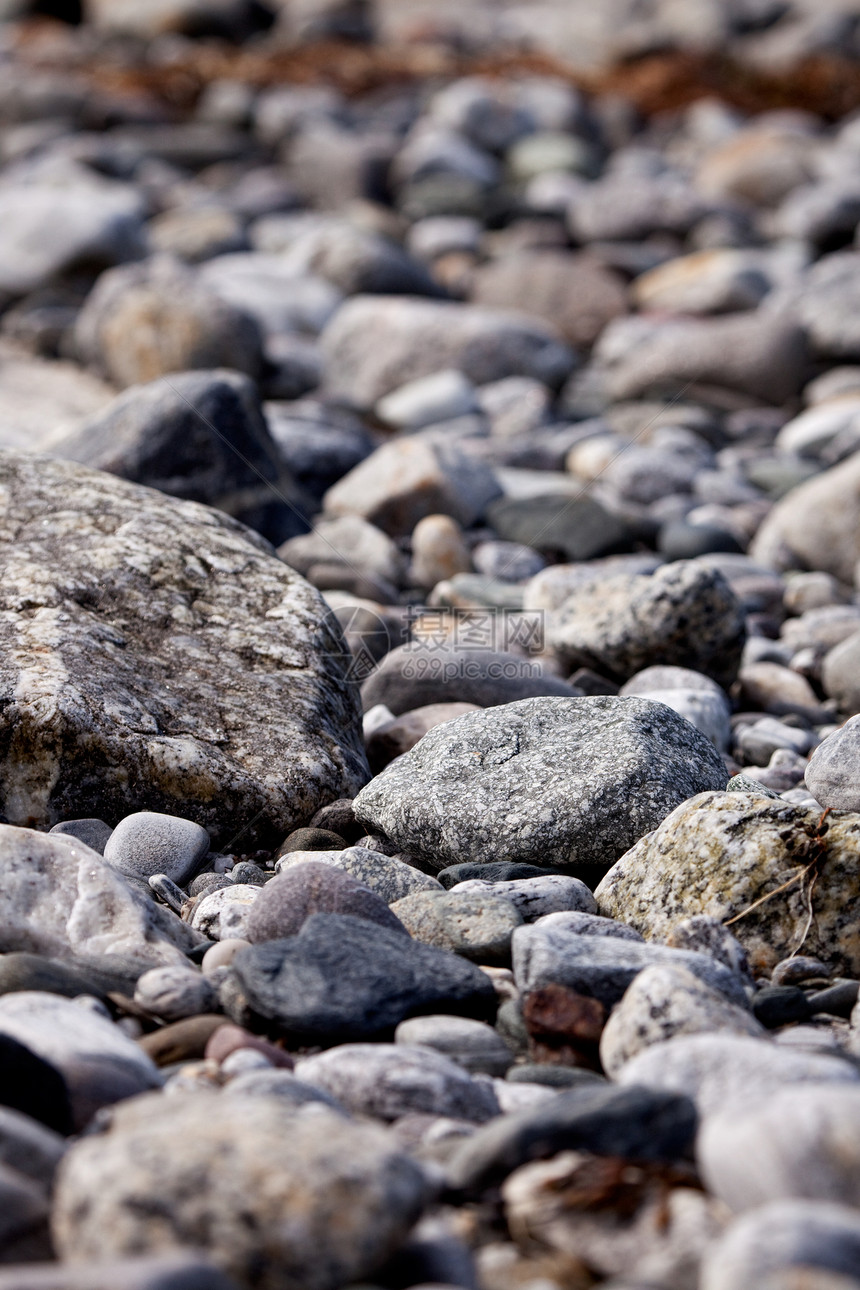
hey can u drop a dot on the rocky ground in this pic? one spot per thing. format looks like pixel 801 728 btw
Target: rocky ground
pixel 429 645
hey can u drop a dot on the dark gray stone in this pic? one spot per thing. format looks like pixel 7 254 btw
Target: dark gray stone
pixel 815 1237
pixel 502 871
pixel 160 1272
pixel 94 833
pixel 293 896
pixel 413 676
pixel 476 924
pixel 345 978
pixel 604 966
pixel 635 1123
pixel 559 781
pixel 591 925
pixel 574 528
pixel 197 435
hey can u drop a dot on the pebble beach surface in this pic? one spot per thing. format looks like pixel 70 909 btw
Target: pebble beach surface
pixel 429 645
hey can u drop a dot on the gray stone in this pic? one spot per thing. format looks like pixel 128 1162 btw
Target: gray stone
pixel 591 925
pixel 312 888
pixel 602 967
pixel 717 1071
pixel 372 346
pixel 142 321
pixel 744 784
pixel 387 1081
pixel 507 561
pixel 281 301
pixel 284 1086
pixel 839 672
pixel 625 208
pixel 546 781
pixel 635 1123
pixel 28 1147
pixel 578 528
pixel 354 260
pixel 684 614
pixel 349 540
pixel 423 673
pixel 664 1001
pixel 824 302
pixel 816 526
pixel 98 1062
pixel 222 915
pixel 719 854
pixel 61 900
pixel 474 1045
pixel 199 1170
pixel 401 733
pixel 210 639
pixel 51 230
pixel 801 1143
pixel 344 978
pixel 170 1272
pixel 534 898
pixel 197 435
pixel 94 833
pixel 477 924
pixel 708 935
pixel 147 843
pixel 816 1240
pixel 408 479
pixel 428 401
pixel 386 876
pixel 833 773
pixel 172 993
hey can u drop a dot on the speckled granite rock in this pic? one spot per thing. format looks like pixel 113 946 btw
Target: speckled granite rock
pixel 194 1170
pixel 720 852
pixel 544 781
pixel 59 898
pixel 155 653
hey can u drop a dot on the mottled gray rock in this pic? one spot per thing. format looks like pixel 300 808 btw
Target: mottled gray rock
pixel 143 321
pixel 223 914
pixel 372 346
pixel 800 1143
pixel 719 1070
pixel 816 1240
pixel 50 230
pixel 419 674
pixel 389 878
pixel 198 1170
pixel 545 781
pixel 477 924
pixel 312 888
pixel 474 1045
pixel 816 526
pixel 280 1084
pixel 148 843
pixel 534 898
pixel 684 614
pixel 163 638
pixel 708 935
pixel 408 479
pixel 346 978
pixel 390 1080
pixel 61 900
pixel 636 1123
pixel 664 1001
pixel 197 435
pixel 833 773
pixel 98 1062
pixel 718 854
pixel 94 833
pixel 548 953
pixel 172 993
pixel 590 925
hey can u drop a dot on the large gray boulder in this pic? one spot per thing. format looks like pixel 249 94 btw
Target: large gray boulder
pixel 155 654
pixel 545 781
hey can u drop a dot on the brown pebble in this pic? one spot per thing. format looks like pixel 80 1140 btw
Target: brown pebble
pixel 183 1041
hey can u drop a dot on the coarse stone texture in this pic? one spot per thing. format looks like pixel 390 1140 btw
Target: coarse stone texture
pixel 309 888
pixel 148 843
pixel 833 773
pixel 154 653
pixel 197 1171
pixel 721 852
pixel 603 967
pixel 787 1245
pixel 803 1142
pixel 223 914
pixel 386 876
pixel 59 899
pixel 477 924
pixel 345 978
pixel 534 898
pixel 375 345
pixel 197 435
pixel 389 1080
pixel 664 1001
pixel 545 781
pixel 719 1070
pixel 99 1063
pixel 172 993
pixel 143 321
pixel 684 614
pixel 816 526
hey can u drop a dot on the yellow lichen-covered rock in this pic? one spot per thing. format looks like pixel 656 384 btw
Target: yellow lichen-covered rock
pixel 719 853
